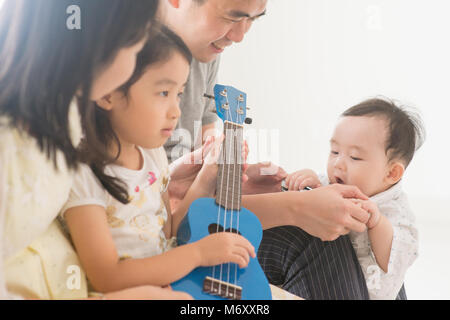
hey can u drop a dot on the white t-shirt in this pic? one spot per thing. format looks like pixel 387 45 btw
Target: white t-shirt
pixel 393 204
pixel 136 227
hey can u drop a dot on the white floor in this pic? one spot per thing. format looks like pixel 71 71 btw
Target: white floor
pixel 429 276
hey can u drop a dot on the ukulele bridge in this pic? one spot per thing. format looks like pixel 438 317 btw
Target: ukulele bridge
pixel 222 288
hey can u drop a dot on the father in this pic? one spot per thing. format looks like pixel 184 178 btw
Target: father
pixel 304 248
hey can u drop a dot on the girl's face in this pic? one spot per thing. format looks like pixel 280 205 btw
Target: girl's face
pixel 117 72
pixel 358 156
pixel 148 116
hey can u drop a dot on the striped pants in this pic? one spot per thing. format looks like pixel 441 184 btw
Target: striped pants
pixel 313 269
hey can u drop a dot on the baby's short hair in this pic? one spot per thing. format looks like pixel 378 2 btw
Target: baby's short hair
pixel 406 132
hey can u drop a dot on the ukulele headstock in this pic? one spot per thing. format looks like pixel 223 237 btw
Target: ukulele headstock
pixel 231 104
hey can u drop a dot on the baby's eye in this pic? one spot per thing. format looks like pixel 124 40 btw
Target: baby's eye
pixel 334 152
pixel 233 20
pixel 164 93
pixel 356 159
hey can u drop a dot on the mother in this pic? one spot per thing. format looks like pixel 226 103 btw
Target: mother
pixel 48 77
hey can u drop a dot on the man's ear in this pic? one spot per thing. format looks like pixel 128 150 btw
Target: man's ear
pixel 105 102
pixel 396 170
pixel 174 3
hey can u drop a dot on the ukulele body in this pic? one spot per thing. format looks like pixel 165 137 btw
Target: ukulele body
pixel 202 219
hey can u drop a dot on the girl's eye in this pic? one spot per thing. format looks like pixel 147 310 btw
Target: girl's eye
pixel 180 94
pixel 164 94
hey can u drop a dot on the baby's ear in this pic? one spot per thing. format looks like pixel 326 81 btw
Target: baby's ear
pixel 105 102
pixel 396 170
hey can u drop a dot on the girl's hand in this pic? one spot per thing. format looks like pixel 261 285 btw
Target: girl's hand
pixel 301 179
pixel 224 247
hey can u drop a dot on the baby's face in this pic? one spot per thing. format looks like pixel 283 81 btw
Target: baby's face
pixel 357 156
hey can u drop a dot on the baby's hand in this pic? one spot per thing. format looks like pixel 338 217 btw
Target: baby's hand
pixel 373 211
pixel 224 247
pixel 301 179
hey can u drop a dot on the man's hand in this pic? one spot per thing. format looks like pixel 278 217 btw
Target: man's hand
pixel 263 178
pixel 185 170
pixel 329 212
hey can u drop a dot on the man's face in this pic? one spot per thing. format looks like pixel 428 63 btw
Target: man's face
pixel 209 28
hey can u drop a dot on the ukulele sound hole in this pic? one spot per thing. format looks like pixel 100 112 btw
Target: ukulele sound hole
pixel 214 228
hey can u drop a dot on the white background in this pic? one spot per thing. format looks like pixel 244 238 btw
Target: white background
pixel 308 60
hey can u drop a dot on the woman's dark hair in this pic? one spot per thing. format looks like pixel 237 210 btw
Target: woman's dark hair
pixel 406 133
pixel 160 47
pixel 44 64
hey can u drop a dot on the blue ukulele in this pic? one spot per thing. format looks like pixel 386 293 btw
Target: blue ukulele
pixel 225 214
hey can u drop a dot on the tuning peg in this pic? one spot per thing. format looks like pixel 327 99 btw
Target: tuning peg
pixel 209 96
pixel 248 120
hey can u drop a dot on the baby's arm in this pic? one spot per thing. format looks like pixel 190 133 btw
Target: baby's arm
pixel 95 246
pixel 380 233
pixel 393 249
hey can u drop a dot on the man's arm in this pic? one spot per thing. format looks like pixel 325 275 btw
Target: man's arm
pixel 325 212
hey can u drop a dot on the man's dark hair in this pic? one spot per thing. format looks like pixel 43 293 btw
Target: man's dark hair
pixel 406 132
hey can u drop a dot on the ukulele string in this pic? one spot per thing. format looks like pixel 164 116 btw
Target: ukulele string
pixel 220 201
pixel 239 194
pixel 234 159
pixel 227 138
pixel 218 211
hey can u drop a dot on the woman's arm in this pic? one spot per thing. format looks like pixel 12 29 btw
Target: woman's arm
pixel 144 293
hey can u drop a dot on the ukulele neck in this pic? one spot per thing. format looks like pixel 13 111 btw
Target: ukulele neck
pixel 229 177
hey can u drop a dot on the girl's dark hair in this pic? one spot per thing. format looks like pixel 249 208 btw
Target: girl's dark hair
pixel 406 132
pixel 44 64
pixel 160 47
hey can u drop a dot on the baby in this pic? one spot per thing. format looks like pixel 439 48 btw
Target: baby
pixel 371 147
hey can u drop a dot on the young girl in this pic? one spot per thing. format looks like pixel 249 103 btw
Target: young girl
pixel 375 163
pixel 118 211
pixel 40 85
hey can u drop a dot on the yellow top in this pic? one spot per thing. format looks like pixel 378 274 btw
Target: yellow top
pixel 36 261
